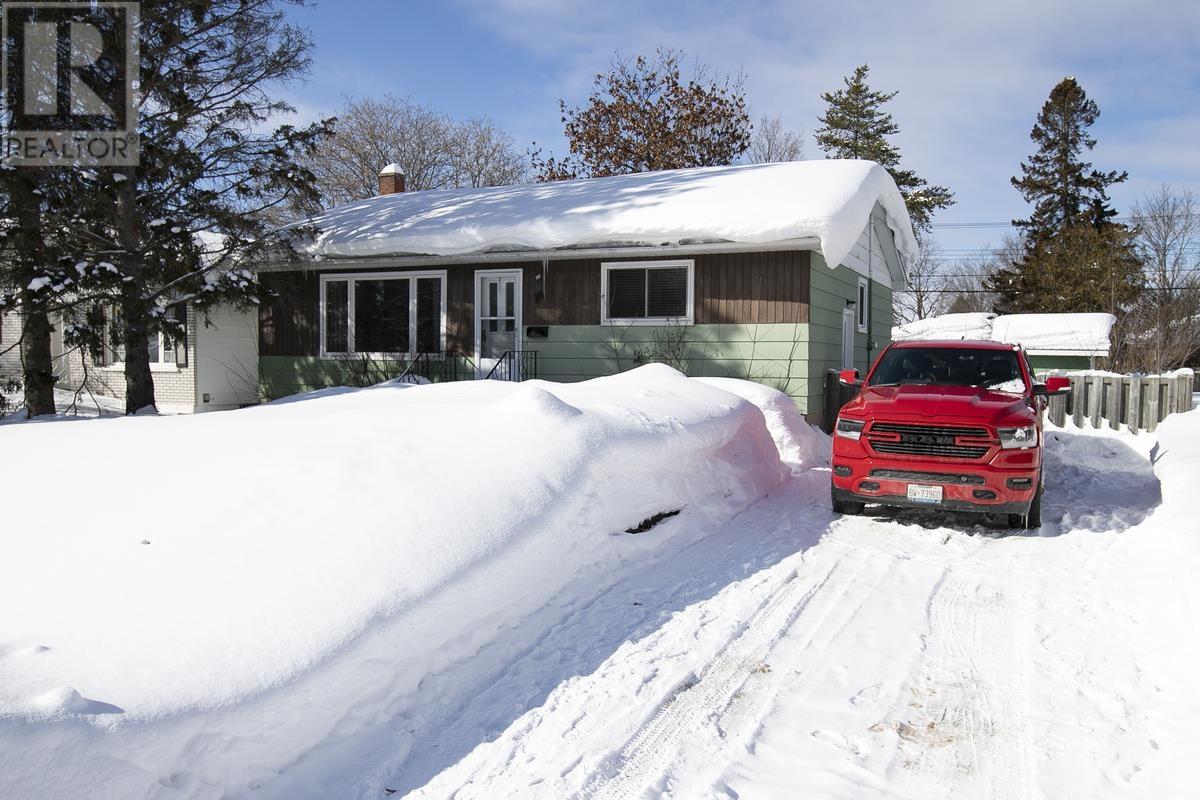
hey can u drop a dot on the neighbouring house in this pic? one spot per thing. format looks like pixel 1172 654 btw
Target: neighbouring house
pixel 770 272
pixel 10 350
pixel 1052 341
pixel 214 368
pixel 11 324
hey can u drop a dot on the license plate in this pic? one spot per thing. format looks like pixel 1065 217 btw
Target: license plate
pixel 924 494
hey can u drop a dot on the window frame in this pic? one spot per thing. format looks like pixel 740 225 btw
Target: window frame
pixel 688 319
pixel 863 302
pixel 350 277
pixel 112 363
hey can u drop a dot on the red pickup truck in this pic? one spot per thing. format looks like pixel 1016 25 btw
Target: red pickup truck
pixel 954 425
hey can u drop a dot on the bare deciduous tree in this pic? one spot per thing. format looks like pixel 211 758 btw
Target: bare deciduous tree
pixel 434 151
pixel 1162 331
pixel 773 143
pixel 965 285
pixel 926 295
pixel 481 154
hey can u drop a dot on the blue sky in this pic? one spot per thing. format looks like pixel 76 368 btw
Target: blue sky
pixel 971 76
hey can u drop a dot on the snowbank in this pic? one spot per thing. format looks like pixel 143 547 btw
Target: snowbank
pixel 829 200
pixel 1177 462
pixel 798 443
pixel 293 572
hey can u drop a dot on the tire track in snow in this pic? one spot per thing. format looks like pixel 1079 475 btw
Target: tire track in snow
pixel 969 731
pixel 655 746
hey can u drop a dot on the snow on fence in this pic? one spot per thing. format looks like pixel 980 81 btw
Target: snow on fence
pixel 1139 402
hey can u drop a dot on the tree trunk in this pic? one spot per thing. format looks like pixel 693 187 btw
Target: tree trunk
pixel 135 328
pixel 139 381
pixel 35 333
pixel 36 360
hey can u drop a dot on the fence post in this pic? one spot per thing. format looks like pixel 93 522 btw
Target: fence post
pixel 1135 404
pixel 1056 410
pixel 1079 401
pixel 1154 390
pixel 1095 400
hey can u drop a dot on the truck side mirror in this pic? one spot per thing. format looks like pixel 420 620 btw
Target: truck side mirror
pixel 1053 387
pixel 848 377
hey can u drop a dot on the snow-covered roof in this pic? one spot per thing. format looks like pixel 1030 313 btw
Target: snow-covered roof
pixel 1047 334
pixel 1083 334
pixel 947 326
pixel 823 203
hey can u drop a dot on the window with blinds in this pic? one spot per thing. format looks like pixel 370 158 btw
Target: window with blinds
pixel 647 292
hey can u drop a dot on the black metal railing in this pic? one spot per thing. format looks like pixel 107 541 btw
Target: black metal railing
pixel 515 366
pixel 432 368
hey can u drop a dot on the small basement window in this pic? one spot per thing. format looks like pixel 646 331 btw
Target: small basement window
pixel 646 292
pixel 383 314
pixel 864 301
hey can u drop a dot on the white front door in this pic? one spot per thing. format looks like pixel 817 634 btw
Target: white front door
pixel 848 321
pixel 497 323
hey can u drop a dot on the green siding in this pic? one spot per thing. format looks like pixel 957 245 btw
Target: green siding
pixel 831 288
pixel 280 376
pixel 770 353
pixel 1045 363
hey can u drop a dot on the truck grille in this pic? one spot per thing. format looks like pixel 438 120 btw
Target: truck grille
pixel 913 476
pixel 893 438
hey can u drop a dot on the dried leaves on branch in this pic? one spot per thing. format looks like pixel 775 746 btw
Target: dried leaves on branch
pixel 644 115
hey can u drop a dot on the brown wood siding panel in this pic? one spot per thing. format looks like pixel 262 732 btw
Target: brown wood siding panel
pixel 745 288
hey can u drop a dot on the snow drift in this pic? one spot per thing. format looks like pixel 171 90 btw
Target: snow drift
pixel 294 572
pixel 829 200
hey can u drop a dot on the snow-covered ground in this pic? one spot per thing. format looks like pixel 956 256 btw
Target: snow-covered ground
pixel 427 592
pixel 68 405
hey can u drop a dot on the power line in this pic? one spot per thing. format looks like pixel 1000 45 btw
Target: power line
pixel 968 225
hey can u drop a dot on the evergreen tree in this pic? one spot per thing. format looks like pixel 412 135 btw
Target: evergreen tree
pixel 1064 188
pixel 1076 257
pixel 855 125
pixel 643 115
pixel 176 226
pixel 1081 268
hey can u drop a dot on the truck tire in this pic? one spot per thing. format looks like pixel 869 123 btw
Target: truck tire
pixel 848 507
pixel 1032 520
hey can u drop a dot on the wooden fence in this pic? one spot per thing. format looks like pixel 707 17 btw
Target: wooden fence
pixel 1137 402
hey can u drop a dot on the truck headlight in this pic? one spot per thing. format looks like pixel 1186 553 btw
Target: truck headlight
pixel 849 428
pixel 1018 438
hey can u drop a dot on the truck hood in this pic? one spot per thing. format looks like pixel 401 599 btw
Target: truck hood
pixel 963 403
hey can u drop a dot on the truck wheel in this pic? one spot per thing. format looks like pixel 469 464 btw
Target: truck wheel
pixel 1032 520
pixel 848 507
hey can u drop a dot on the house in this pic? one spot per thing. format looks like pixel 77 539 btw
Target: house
pixel 1052 341
pixel 11 324
pixel 10 351
pixel 771 272
pixel 214 368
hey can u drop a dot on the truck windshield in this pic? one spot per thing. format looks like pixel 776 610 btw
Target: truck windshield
pixel 950 366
